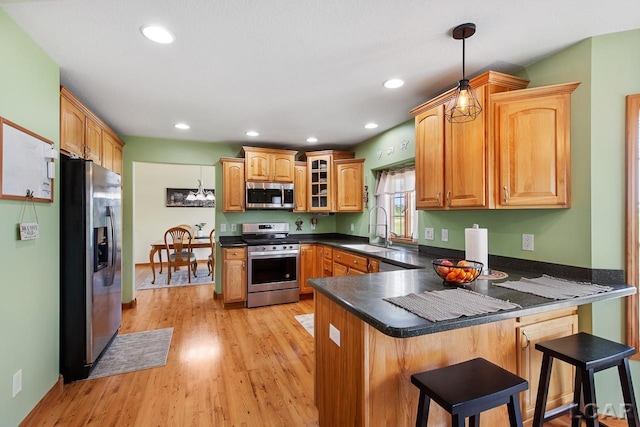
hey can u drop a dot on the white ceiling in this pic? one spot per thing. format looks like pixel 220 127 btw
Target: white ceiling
pixel 291 69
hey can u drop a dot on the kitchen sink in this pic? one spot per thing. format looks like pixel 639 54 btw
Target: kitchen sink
pixel 368 248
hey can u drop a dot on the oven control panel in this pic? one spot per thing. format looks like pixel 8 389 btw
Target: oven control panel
pixel 273 248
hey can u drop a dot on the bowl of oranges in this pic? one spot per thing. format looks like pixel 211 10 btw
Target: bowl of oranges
pixel 457 271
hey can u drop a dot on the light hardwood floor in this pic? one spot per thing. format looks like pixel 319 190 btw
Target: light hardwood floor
pixel 242 367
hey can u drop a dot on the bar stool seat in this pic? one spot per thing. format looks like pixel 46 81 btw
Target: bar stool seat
pixel 588 354
pixel 466 389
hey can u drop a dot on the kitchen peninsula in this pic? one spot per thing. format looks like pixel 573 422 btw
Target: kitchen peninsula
pixel 366 349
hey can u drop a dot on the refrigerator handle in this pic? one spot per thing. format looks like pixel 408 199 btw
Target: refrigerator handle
pixel 112 245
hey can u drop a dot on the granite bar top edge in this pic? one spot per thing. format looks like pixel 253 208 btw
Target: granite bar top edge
pixel 416 326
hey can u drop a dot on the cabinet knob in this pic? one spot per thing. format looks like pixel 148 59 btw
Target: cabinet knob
pixel 355 261
pixel 235 253
pixel 506 194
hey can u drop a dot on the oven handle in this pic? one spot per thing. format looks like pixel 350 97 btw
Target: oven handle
pixel 266 254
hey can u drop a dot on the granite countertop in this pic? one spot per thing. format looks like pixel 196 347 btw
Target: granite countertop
pixel 363 296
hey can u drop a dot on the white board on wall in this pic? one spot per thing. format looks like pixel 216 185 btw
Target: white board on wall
pixel 25 163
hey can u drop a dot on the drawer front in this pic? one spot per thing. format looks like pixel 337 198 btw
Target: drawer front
pixel 327 268
pixel 353 261
pixel 235 253
pixel 328 253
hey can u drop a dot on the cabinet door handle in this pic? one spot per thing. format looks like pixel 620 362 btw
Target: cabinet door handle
pixel 449 198
pixel 506 194
pixel 243 264
pixel 528 341
pixel 438 197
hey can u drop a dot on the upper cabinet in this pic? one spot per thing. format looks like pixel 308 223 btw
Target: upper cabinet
pixel 300 187
pixel 326 183
pixel 270 165
pixel 453 160
pixel 84 135
pixel 516 154
pixel 533 155
pixel 233 188
pixel 349 189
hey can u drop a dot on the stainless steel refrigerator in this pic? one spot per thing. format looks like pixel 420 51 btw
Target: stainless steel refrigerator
pixel 90 264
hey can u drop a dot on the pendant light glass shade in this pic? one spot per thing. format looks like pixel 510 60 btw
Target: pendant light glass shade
pixel 464 107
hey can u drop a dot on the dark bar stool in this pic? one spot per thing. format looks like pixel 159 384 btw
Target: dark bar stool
pixel 467 389
pixel 589 354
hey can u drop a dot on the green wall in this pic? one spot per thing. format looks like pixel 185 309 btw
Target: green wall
pixel 29 295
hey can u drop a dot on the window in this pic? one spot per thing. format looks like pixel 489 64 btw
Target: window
pixel 395 192
pixel 632 219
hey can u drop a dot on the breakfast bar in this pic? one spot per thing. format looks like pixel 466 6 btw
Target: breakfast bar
pixel 367 348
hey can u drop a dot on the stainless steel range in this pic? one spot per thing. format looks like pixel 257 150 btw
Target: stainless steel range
pixel 273 259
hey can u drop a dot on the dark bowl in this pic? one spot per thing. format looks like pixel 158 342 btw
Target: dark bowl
pixel 457 271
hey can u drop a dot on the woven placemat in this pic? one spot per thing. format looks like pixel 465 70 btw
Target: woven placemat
pixel 494 275
pixel 554 288
pixel 449 304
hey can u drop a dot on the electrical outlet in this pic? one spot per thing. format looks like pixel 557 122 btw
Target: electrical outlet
pixel 223 228
pixel 233 227
pixel 353 227
pixel 429 233
pixel 17 382
pixel 445 235
pixel 527 242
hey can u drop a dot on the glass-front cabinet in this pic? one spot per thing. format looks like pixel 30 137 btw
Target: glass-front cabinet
pixel 320 183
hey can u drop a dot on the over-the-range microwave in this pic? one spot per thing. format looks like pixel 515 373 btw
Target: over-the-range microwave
pixel 269 195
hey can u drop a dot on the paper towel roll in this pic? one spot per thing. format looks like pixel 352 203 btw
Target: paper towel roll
pixel 476 246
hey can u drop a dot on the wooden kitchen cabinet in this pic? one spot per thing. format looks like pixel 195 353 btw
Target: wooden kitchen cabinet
pixel 453 161
pixel 321 179
pixel 308 269
pixel 533 149
pixel 327 261
pixel 233 188
pixel 234 275
pixel 300 187
pixel 269 165
pixel 538 328
pixel 349 185
pixel 84 135
pixel 111 152
pixel 347 263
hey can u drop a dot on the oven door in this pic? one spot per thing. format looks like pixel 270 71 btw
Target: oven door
pixel 270 271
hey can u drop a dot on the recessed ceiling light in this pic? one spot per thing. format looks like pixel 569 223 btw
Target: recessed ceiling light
pixel 393 83
pixel 182 126
pixel 157 34
pixel 371 125
pixel 312 139
pixel 252 133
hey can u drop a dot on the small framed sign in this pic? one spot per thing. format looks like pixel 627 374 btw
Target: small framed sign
pixel 29 230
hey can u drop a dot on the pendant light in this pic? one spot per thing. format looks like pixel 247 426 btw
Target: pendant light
pixel 201 194
pixel 464 107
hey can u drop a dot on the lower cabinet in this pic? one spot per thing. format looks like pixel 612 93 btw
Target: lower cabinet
pixel 234 275
pixel 538 328
pixel 347 263
pixel 308 269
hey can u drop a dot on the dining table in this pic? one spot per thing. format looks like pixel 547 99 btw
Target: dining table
pixel 158 246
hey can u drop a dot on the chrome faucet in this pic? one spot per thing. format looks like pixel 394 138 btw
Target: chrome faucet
pixel 387 241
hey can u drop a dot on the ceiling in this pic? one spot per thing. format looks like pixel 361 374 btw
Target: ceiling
pixel 291 69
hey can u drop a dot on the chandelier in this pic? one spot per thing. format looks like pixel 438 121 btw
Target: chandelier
pixel 202 194
pixel 464 107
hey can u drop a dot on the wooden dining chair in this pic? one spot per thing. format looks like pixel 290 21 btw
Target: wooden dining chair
pixel 211 261
pixel 177 241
